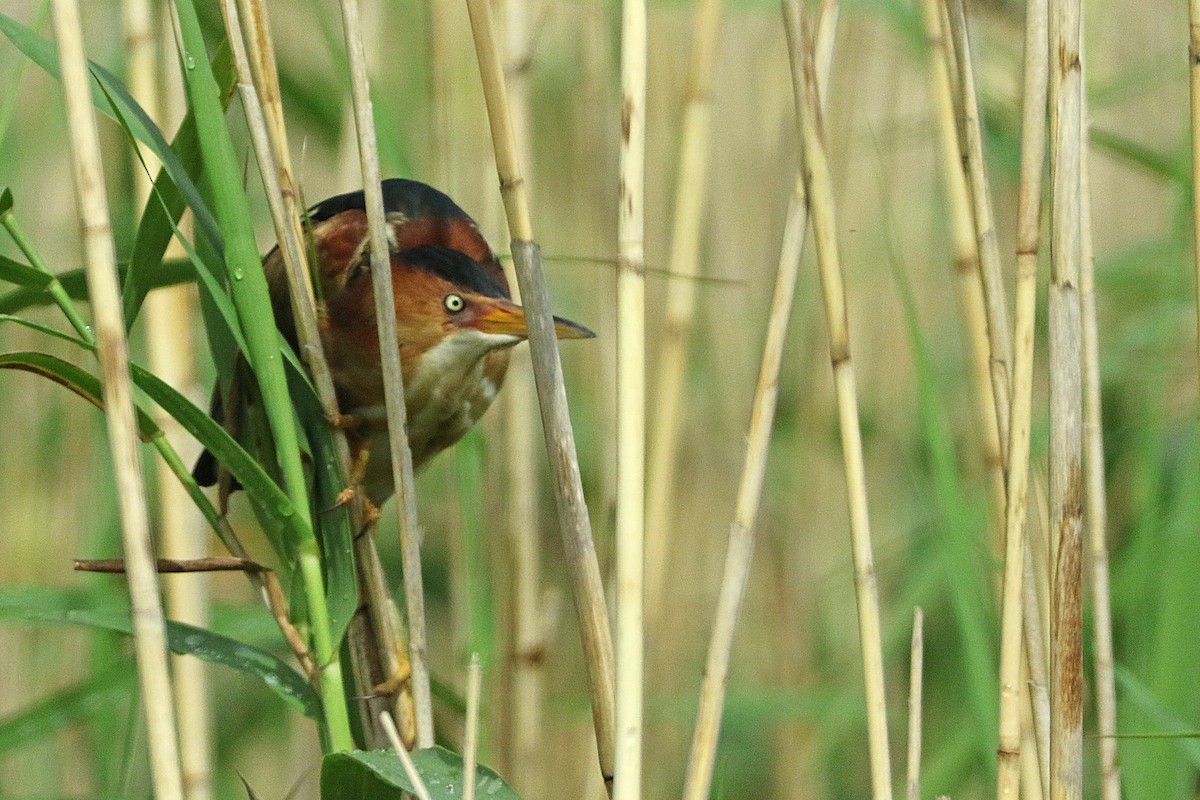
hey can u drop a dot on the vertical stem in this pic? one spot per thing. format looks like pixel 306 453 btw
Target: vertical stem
pixel 1097 511
pixel 1015 591
pixel 470 745
pixel 1194 84
pixel 684 265
pixel 818 183
pixel 631 402
pixel 702 757
pixel 915 667
pixel 1066 484
pixel 149 627
pixel 389 350
pixel 574 524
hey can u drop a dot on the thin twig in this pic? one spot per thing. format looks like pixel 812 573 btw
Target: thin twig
pixel 915 669
pixel 574 524
pixel 690 196
pixel 389 350
pixel 149 626
pixel 1066 482
pixel 702 758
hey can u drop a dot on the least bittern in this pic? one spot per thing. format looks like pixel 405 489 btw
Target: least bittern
pixel 454 319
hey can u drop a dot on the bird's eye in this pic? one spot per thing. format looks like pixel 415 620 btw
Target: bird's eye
pixel 454 303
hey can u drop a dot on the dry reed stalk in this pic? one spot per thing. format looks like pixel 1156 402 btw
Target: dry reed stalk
pixel 1035 780
pixel 819 188
pixel 702 757
pixel 168 314
pixel 527 662
pixel 471 739
pixel 966 249
pixel 149 627
pixel 684 262
pixel 999 332
pixel 574 525
pixel 1066 482
pixel 410 769
pixel 1029 216
pixel 393 381
pixel 915 668
pixel 1097 512
pixel 631 404
pixel 258 84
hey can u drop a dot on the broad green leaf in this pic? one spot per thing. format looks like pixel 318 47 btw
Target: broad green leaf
pixel 23 274
pixel 72 377
pixel 184 639
pixel 379 775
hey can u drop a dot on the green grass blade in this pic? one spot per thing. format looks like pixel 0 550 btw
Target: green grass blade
pixel 65 708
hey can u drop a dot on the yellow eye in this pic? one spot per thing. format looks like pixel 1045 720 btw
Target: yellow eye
pixel 454 303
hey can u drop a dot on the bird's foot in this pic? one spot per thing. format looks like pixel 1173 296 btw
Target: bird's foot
pixel 395 682
pixel 345 422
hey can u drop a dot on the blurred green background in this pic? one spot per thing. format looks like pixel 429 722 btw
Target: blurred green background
pixel 794 723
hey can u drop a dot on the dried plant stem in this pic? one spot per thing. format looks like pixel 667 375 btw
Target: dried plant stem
pixel 915 668
pixel 1066 489
pixel 471 740
pixel 702 757
pixel 149 627
pixel 574 524
pixel 966 249
pixel 985 228
pixel 521 513
pixel 1015 592
pixel 410 769
pixel 690 197
pixel 259 89
pixel 170 351
pixel 1097 512
pixel 631 403
pixel 819 187
pixel 389 350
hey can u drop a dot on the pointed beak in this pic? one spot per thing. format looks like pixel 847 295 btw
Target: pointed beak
pixel 503 317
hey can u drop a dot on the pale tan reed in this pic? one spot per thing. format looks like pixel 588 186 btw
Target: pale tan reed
pixel 684 265
pixel 1096 505
pixel 966 247
pixel 999 332
pixel 574 524
pixel 1066 482
pixel 819 187
pixel 410 769
pixel 916 667
pixel 149 626
pixel 1015 593
pixel 170 352
pixel 527 664
pixel 258 85
pixel 393 381
pixel 631 404
pixel 471 739
pixel 702 757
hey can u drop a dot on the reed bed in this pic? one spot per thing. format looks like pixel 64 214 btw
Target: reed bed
pixel 917 137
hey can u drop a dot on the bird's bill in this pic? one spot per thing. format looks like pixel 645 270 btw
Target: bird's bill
pixel 504 317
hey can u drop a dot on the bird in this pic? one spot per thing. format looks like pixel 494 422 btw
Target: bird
pixel 455 322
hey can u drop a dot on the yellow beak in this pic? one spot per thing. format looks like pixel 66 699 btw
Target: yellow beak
pixel 501 316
